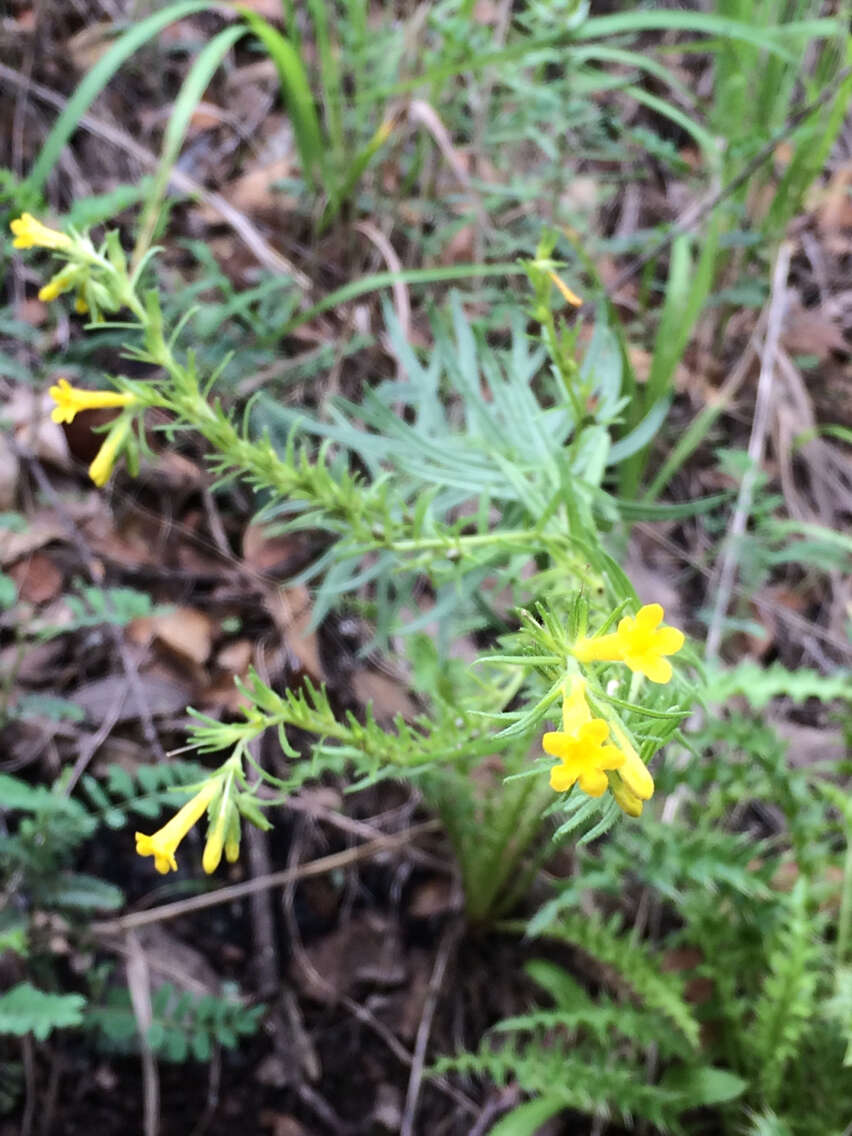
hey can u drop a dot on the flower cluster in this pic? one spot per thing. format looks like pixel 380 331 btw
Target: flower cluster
pixel 590 760
pixel 224 798
pixel 587 755
pixel 70 401
pixel 98 278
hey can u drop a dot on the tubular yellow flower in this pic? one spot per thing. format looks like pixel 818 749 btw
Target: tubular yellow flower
pixel 30 233
pixel 71 400
pixel 102 466
pixel 634 773
pixel 580 747
pixel 626 800
pixel 62 282
pixel 569 297
pixel 232 849
pixel 639 642
pixel 162 845
pixel 215 843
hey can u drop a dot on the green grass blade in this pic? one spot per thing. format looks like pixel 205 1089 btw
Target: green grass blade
pixel 296 90
pixel 194 86
pixel 412 276
pixel 332 86
pixel 95 81
pixel 663 20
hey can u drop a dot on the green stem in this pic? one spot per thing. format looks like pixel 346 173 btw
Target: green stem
pixel 844 922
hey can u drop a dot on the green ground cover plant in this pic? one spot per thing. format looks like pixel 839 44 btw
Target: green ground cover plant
pixel 472 515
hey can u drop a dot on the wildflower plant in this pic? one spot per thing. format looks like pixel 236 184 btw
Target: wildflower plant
pixel 496 504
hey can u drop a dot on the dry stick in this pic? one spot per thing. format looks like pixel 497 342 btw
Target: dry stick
pixel 131 672
pixel 446 947
pixel 756 443
pixel 691 216
pixel 139 988
pixel 760 423
pixel 275 879
pixel 238 221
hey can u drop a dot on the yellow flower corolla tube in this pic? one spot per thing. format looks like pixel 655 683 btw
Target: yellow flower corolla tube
pixel 215 843
pixel 639 642
pixel 580 747
pixel 71 400
pixel 102 466
pixel 163 844
pixel 232 849
pixel 30 233
pixel 569 297
pixel 626 800
pixel 634 772
pixel 61 282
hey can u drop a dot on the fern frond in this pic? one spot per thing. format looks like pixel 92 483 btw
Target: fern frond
pixel 787 1002
pixel 588 1084
pixel 640 971
pixel 759 684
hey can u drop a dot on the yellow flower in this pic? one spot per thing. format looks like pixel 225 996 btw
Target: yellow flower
pixel 62 282
pixel 639 642
pixel 232 848
pixel 30 233
pixel 215 843
pixel 163 844
pixel 626 800
pixel 102 466
pixel 70 400
pixel 633 784
pixel 580 747
pixel 634 773
pixel 570 297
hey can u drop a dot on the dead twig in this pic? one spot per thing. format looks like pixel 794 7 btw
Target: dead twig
pixel 139 988
pixel 274 879
pixel 447 946
pixel 756 443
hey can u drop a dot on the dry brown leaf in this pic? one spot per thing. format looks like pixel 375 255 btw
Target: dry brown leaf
pixel 28 411
pixel 388 696
pixel 291 611
pixel 111 697
pixel 39 580
pixel 10 469
pixel 811 331
pixel 32 311
pixel 93 41
pixel 235 658
pixel 255 191
pixel 185 631
pixel 367 949
pixel 40 530
pixel 834 211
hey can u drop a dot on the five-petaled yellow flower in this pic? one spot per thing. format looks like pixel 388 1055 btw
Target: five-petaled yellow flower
pixel 639 642
pixel 30 233
pixel 580 746
pixel 71 400
pixel 163 844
